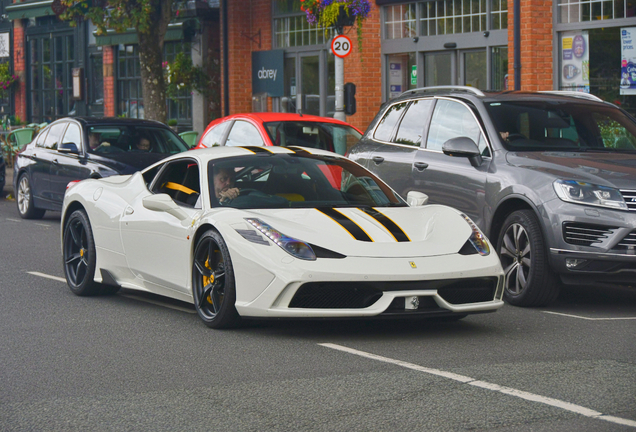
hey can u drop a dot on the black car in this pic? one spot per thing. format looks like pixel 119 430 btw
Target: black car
pixel 76 148
pixel 549 177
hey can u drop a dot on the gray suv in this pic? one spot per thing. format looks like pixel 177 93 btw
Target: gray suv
pixel 549 177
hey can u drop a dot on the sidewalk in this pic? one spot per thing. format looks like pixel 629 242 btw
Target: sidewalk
pixel 8 185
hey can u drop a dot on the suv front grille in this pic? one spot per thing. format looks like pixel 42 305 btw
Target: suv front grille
pixel 585 234
pixel 630 198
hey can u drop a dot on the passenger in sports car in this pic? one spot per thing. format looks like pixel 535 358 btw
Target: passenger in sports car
pixel 143 144
pixel 224 185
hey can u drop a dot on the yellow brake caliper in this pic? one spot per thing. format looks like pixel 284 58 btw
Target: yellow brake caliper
pixel 208 280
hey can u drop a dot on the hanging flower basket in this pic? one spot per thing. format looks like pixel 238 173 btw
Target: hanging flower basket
pixel 337 13
pixel 7 80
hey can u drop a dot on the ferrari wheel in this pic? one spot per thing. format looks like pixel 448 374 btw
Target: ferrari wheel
pixel 529 279
pixel 24 200
pixel 79 257
pixel 213 287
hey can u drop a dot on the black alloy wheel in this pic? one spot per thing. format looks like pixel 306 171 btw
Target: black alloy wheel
pixel 213 285
pixel 529 279
pixel 24 200
pixel 79 257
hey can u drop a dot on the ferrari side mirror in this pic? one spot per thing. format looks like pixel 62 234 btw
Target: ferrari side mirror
pixel 163 203
pixel 415 199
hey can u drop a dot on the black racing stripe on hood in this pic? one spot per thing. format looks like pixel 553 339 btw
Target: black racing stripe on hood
pixel 391 226
pixel 256 149
pixel 299 150
pixel 352 227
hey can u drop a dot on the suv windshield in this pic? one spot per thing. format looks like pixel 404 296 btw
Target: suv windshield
pixel 280 181
pixel 562 126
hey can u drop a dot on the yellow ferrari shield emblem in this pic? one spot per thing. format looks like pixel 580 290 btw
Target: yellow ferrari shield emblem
pixel 412 264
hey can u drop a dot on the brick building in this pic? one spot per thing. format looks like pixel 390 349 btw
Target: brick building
pixel 564 44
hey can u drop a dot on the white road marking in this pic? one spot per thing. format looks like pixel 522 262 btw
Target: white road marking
pixel 42 225
pixel 169 306
pixel 590 319
pixel 14 220
pixel 577 409
pixel 130 296
pixel 47 276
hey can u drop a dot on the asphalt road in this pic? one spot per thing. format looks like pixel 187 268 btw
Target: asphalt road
pixel 144 363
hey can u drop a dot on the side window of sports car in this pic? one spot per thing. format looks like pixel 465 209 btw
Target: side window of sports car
pixel 181 180
pixel 214 136
pixel 244 134
pixel 55 135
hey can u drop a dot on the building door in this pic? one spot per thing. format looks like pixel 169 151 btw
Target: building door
pixel 309 83
pixel 49 85
pixel 457 67
pixel 472 69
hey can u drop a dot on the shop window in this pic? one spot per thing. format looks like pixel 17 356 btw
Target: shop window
pixel 499 14
pixel 51 61
pixel 402 74
pixel 499 75
pixel 130 97
pixel 400 21
pixel 573 11
pixel 457 16
pixel 295 31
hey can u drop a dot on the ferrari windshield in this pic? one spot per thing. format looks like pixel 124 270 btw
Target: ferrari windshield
pixel 321 135
pixel 105 139
pixel 266 180
pixel 562 126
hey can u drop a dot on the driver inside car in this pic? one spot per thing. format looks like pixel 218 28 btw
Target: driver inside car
pixel 224 185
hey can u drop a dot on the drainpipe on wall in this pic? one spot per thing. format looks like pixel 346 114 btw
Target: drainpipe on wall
pixel 517 43
pixel 226 66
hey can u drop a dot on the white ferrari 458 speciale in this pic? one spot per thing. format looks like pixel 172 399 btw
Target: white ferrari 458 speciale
pixel 275 232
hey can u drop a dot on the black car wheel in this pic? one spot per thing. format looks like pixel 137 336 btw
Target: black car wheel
pixel 24 200
pixel 79 257
pixel 213 286
pixel 529 279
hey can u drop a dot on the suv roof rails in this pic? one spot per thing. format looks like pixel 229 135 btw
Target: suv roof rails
pixel 465 89
pixel 580 95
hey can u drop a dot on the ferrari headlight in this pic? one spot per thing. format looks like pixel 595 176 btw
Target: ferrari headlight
pixel 477 238
pixel 589 194
pixel 295 248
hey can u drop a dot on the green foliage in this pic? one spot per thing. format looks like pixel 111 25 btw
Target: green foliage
pixel 7 80
pixel 181 75
pixel 119 15
pixel 172 122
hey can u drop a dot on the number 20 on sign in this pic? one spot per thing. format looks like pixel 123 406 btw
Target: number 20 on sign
pixel 341 46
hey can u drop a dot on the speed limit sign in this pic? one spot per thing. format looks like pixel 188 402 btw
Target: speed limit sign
pixel 341 46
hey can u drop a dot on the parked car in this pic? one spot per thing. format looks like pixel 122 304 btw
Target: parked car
pixel 250 232
pixel 281 129
pixel 77 148
pixel 550 178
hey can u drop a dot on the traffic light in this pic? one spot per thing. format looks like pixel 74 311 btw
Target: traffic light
pixel 349 99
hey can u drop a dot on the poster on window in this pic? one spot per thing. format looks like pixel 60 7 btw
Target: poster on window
pixel 4 45
pixel 628 61
pixel 397 70
pixel 575 61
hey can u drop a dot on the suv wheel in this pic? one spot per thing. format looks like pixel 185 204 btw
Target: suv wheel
pixel 529 279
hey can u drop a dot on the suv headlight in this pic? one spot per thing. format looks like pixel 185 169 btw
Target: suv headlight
pixel 295 248
pixel 589 194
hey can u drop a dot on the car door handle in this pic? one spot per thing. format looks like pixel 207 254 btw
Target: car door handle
pixel 378 159
pixel 421 166
pixel 129 210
